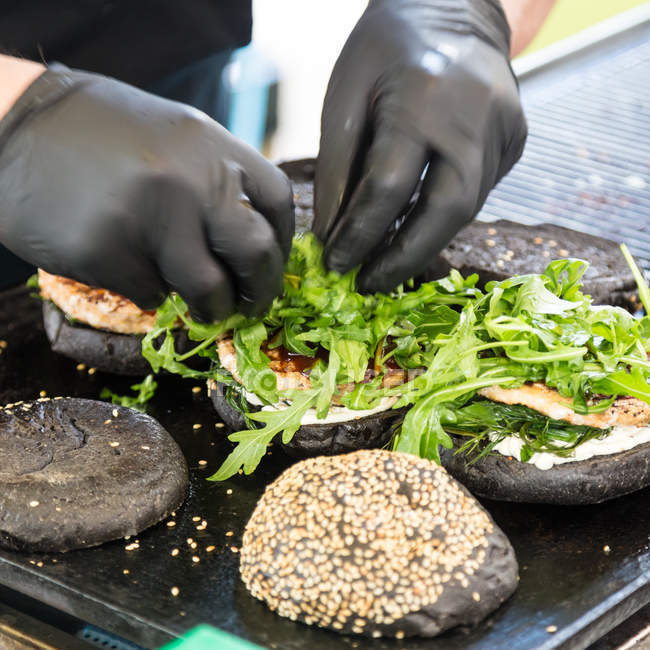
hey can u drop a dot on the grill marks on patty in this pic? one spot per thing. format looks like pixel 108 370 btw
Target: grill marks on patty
pixel 547 401
pixel 99 308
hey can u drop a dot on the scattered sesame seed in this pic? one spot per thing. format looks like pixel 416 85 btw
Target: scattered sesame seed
pixel 81 366
pixel 229 533
pixel 606 549
pixel 202 526
pixel 196 518
pixel 171 524
pixel 193 545
pixel 234 549
pixel 58 508
pixel 490 243
pixel 43 393
pixel 147 448
pixel 39 563
pixel 175 591
pixel 203 462
pixel 174 552
pixel 3 344
pixel 563 252
pixel 132 547
pixel 492 231
pixel 228 491
pixel 126 572
pixel 108 421
pixel 399 634
pixel 189 540
pixel 219 425
pixel 546 254
pixel 59 397
pixel 114 443
pixel 196 389
pixel 92 371
pixel 551 629
pixel 33 504
pixel 209 549
pixel 196 426
pixel 115 412
pixel 476 596
pixel 196 559
pixel 538 240
pixel 500 263
pixel 552 243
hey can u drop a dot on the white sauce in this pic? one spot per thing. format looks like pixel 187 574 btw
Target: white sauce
pixel 336 413
pixel 619 439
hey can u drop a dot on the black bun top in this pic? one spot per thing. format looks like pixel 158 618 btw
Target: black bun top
pixel 376 543
pixel 78 472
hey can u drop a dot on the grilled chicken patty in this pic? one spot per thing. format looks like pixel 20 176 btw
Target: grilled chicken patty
pixel 99 308
pixel 291 371
pixel 548 402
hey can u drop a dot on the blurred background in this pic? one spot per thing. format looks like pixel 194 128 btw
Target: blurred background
pixel 277 84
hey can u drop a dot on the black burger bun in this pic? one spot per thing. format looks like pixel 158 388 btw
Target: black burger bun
pixel 367 432
pixel 119 354
pixel 580 482
pixel 77 473
pixel 376 543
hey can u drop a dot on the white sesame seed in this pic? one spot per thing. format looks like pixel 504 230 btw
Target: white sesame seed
pixel 203 462
pixel 43 393
pixel 196 426
pixel 34 504
pixel 500 263
pixel 196 389
pixel 209 549
pixel 196 559
pixel 606 549
pixel 490 243
pixel 145 447
pixel 174 552
pixel 228 491
pixel 171 524
pixel 115 413
pixel 551 629
pixel 81 366
pixel 114 443
pixel 175 591
pixel 552 243
pixel 196 518
pixel 546 254
pixel 563 252
pixel 108 421
pixel 126 572
pixel 219 425
pixel 92 371
pixel 492 231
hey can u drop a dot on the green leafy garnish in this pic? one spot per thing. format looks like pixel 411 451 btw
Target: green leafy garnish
pixel 447 338
pixel 146 389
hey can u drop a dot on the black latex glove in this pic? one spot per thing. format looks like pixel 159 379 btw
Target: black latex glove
pixel 419 82
pixel 120 189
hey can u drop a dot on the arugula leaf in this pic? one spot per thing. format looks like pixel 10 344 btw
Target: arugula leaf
pixel 146 389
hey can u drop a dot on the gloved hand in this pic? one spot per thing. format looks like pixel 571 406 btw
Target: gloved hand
pixel 117 188
pixel 419 82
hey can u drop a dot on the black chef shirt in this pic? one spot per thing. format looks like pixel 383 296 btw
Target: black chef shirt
pixel 137 41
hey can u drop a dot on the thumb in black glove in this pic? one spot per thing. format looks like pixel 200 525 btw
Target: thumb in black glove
pixel 420 85
pixel 121 189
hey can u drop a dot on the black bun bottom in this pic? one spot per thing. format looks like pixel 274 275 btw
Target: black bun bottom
pixel 581 482
pixel 120 354
pixel 77 473
pixel 376 543
pixel 372 431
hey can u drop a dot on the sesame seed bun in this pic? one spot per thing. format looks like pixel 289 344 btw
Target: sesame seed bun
pixel 316 439
pixel 77 473
pixel 375 543
pixel 580 482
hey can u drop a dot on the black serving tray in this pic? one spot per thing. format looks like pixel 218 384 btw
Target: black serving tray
pixel 583 569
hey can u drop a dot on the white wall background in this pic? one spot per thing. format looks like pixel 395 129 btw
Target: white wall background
pixel 303 39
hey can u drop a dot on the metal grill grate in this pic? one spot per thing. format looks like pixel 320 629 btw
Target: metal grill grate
pixel 587 161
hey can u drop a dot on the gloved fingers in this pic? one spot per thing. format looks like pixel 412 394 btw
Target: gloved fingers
pixel 246 243
pixel 344 132
pixel 392 171
pixel 189 268
pixel 269 190
pixel 445 205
